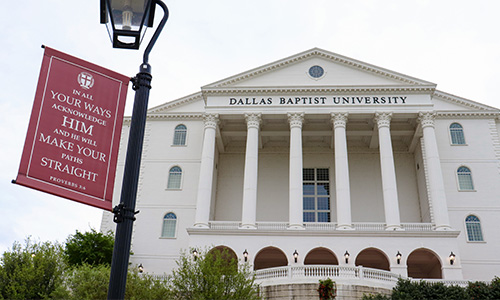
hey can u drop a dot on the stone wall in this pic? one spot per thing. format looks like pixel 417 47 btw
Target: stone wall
pixel 308 291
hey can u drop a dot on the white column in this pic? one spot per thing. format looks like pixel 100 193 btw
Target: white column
pixel 206 172
pixel 295 177
pixel 435 174
pixel 249 209
pixel 389 185
pixel 342 185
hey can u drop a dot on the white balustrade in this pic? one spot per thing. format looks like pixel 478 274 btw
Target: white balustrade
pixel 417 226
pixel 369 226
pixel 272 225
pixel 223 225
pixel 320 226
pixel 306 272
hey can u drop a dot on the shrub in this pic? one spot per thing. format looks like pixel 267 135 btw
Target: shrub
pixel 327 289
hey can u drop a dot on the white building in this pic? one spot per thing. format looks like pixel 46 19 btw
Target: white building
pixel 322 155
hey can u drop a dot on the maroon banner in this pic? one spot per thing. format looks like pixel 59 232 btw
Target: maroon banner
pixel 74 132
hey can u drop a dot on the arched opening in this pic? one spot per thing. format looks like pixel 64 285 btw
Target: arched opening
pixel 320 256
pixel 372 258
pixel 423 263
pixel 226 254
pixel 270 257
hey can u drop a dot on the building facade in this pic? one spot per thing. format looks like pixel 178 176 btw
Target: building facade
pixel 321 165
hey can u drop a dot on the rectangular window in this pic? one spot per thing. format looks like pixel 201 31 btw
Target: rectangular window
pixel 316 195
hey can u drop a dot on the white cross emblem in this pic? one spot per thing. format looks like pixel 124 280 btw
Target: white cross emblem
pixel 85 80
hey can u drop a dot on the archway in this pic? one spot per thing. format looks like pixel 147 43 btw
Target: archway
pixel 227 254
pixel 320 256
pixel 270 257
pixel 372 258
pixel 423 263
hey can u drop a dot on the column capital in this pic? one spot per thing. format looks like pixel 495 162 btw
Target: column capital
pixel 426 118
pixel 296 119
pixel 253 120
pixel 383 119
pixel 211 120
pixel 339 119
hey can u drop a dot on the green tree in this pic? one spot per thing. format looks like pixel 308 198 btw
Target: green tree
pixel 212 275
pixel 91 247
pixel 91 282
pixel 30 272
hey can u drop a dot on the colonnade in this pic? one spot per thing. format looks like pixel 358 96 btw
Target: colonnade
pixel 382 120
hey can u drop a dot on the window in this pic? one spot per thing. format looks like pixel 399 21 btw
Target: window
pixel 169 224
pixel 180 135
pixel 316 195
pixel 457 134
pixel 464 176
pixel 473 226
pixel 174 178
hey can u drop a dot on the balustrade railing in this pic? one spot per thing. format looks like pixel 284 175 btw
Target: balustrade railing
pixel 320 226
pixel 295 273
pixel 322 271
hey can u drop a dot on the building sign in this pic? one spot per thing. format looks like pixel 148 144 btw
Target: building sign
pixel 74 132
pixel 321 100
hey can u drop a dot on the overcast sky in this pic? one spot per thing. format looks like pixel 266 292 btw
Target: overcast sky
pixel 453 43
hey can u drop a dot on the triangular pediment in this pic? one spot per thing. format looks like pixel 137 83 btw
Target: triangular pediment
pixel 335 71
pixel 342 76
pixel 450 103
pixel 189 104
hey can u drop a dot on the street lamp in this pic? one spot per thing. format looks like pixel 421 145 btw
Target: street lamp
pixel 126 20
pixel 398 257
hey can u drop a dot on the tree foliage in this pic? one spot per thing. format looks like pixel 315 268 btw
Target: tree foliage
pixel 30 272
pixel 91 282
pixel 212 275
pixel 327 289
pixel 91 247
pixel 419 290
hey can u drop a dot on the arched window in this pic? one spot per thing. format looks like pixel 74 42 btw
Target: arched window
pixel 465 179
pixel 180 135
pixel 457 134
pixel 174 178
pixel 169 223
pixel 473 226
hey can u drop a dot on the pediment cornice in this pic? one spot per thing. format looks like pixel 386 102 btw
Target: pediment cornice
pixel 316 52
pixel 468 114
pixel 181 101
pixel 318 90
pixel 188 116
pixel 461 101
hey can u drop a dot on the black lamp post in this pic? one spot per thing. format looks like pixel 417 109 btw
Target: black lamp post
pixel 126 21
pixel 346 256
pixel 398 257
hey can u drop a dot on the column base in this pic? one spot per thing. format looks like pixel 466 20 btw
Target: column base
pixel 296 227
pixel 344 227
pixel 247 226
pixel 201 225
pixel 394 227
